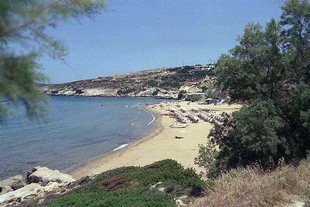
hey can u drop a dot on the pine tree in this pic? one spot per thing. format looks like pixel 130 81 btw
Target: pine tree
pixel 23 25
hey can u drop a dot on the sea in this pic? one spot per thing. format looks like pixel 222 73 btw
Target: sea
pixel 76 130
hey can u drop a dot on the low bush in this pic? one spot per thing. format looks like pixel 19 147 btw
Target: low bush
pixel 131 186
pixel 181 94
pixel 168 84
pixel 152 83
pixel 193 98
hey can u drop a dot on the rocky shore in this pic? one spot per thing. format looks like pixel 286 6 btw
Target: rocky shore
pixel 39 185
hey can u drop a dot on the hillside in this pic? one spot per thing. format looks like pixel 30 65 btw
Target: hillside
pixel 161 83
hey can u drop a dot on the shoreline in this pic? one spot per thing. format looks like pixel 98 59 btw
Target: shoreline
pixel 112 154
pixel 160 144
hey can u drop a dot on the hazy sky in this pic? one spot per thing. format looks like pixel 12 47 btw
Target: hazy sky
pixel 134 35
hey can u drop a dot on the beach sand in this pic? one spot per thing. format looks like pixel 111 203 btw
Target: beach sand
pixel 161 144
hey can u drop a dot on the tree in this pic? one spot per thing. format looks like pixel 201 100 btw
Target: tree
pixel 23 25
pixel 251 136
pixel 269 70
pixel 296 35
pixel 254 68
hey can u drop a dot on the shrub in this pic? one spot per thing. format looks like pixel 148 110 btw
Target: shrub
pixel 131 186
pixel 204 89
pixel 193 97
pixel 167 84
pixel 250 136
pixel 181 94
pixel 152 83
pixel 125 91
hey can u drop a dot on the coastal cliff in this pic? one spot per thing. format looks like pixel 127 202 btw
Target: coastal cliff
pixel 160 83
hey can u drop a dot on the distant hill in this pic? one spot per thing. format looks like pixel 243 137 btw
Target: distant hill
pixel 161 83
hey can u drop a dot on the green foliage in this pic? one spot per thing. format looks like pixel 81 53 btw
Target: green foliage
pixel 131 186
pixel 254 68
pixel 140 197
pixel 185 69
pixel 23 25
pixel 181 94
pixel 168 84
pixel 251 136
pixel 207 155
pixel 269 70
pixel 18 75
pixel 152 83
pixel 193 97
pixel 204 89
pixel 296 34
pixel 297 125
pixel 187 74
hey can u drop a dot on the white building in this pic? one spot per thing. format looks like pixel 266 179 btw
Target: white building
pixel 202 67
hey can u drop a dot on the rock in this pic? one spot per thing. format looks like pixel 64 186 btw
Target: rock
pixel 179 203
pixel 27 192
pixel 82 181
pixel 51 186
pixel 5 189
pixel 183 197
pixel 147 92
pixel 100 92
pixel 12 183
pixel 44 175
pixel 297 204
pixel 156 185
pixel 167 94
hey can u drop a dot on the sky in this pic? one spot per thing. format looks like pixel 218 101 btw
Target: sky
pixel 134 35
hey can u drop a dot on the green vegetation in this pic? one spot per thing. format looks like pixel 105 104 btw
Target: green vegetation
pixel 181 94
pixel 251 187
pixel 131 186
pixel 193 97
pixel 168 84
pixel 24 24
pixel 269 70
pixel 204 89
pixel 125 91
pixel 152 83
pixel 186 74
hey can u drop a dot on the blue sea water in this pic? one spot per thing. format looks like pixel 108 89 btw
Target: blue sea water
pixel 76 130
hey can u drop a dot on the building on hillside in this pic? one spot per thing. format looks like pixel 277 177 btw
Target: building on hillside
pixel 203 67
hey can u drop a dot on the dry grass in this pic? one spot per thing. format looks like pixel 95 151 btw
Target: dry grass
pixel 250 187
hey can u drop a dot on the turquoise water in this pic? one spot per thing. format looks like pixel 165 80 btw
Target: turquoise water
pixel 76 130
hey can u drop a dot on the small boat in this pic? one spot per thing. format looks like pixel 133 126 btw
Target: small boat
pixel 178 125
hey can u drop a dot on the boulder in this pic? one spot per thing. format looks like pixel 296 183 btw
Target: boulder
pixel 12 183
pixel 297 204
pixel 27 192
pixel 44 175
pixel 148 92
pixel 5 189
pixel 167 94
pixel 179 203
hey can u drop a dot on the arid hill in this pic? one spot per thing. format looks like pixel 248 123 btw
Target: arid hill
pixel 162 83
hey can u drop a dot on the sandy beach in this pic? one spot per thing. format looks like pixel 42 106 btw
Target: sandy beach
pixel 161 144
